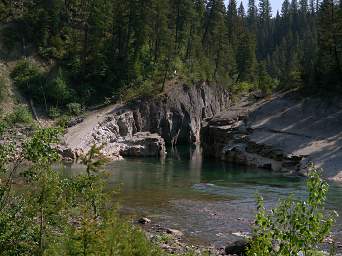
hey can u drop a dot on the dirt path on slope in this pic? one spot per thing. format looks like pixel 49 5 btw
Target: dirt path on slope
pixel 78 136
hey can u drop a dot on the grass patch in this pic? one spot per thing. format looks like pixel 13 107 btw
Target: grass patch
pixel 147 90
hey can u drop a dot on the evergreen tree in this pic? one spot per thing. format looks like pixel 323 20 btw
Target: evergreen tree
pixel 312 7
pixel 252 14
pixel 264 28
pixel 265 12
pixel 304 7
pixel 106 47
pixel 232 21
pixel 329 63
pixel 246 59
pixel 241 11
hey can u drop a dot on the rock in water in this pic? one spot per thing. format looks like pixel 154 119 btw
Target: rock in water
pixel 66 153
pixel 144 220
pixel 174 232
pixel 144 144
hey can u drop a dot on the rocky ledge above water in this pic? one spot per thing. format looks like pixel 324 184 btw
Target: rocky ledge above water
pixel 282 133
pixel 143 127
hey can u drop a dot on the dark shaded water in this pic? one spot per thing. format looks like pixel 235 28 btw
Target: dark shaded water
pixel 207 200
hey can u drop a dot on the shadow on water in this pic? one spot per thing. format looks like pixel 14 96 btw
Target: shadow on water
pixel 208 200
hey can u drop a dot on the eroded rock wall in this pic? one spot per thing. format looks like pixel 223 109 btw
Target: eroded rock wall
pixel 282 133
pixel 143 127
pixel 177 116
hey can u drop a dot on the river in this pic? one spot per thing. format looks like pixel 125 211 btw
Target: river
pixel 210 201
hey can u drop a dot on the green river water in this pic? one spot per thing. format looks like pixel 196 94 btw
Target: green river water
pixel 207 200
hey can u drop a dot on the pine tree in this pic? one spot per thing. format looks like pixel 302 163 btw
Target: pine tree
pixel 329 63
pixel 265 12
pixel 264 40
pixel 232 22
pixel 312 7
pixel 286 17
pixel 252 14
pixel 246 59
pixel 241 11
pixel 216 41
pixel 304 7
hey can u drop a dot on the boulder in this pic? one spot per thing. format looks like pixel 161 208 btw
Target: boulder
pixel 174 232
pixel 144 144
pixel 237 248
pixel 144 220
pixel 66 153
pixel 75 121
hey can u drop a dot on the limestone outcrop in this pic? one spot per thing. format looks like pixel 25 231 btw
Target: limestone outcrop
pixel 143 127
pixel 177 115
pixel 282 133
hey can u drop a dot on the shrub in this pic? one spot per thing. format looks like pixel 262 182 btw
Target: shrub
pixel 54 112
pixel 268 84
pixel 243 87
pixel 2 89
pixel 293 226
pixel 63 121
pixel 265 82
pixel 144 90
pixel 3 127
pixel 62 215
pixel 295 79
pixel 28 78
pixel 20 115
pixel 59 91
pixel 74 108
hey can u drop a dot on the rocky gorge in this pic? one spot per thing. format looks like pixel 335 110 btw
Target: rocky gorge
pixel 282 132
pixel 143 127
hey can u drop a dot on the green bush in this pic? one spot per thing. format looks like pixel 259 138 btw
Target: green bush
pixel 59 91
pixel 74 108
pixel 62 215
pixel 265 82
pixel 293 226
pixel 2 89
pixel 145 90
pixel 268 84
pixel 20 115
pixel 29 79
pixel 54 112
pixel 63 121
pixel 3 126
pixel 243 87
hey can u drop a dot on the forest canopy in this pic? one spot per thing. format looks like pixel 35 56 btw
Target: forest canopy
pixel 102 47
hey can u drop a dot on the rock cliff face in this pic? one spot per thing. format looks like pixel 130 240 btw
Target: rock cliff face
pixel 141 128
pixel 227 137
pixel 177 116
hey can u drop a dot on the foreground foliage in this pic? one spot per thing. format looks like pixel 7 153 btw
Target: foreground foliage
pixel 48 214
pixel 294 226
pixel 45 213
